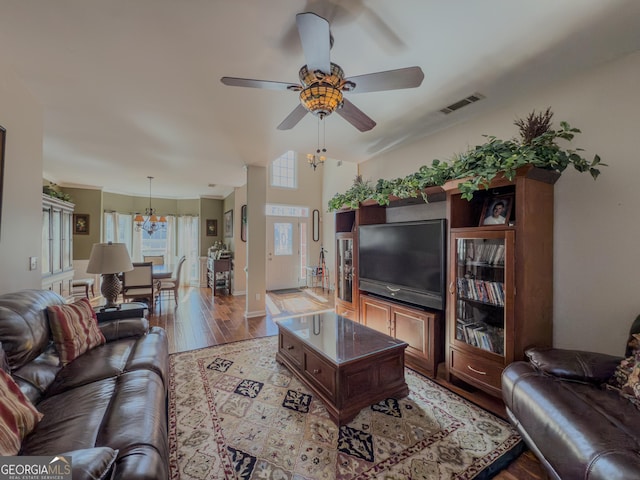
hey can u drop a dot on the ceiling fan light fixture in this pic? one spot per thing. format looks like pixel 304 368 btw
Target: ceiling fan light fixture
pixel 308 78
pixel 321 99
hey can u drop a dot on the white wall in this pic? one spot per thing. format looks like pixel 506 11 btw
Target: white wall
pixel 21 222
pixel 337 178
pixel 597 223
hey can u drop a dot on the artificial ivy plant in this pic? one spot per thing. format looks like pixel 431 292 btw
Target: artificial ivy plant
pixel 52 192
pixel 476 168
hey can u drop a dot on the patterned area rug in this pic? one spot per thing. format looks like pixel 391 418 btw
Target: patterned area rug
pixel 236 413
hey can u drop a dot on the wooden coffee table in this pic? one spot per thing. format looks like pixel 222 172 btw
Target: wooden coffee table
pixel 347 365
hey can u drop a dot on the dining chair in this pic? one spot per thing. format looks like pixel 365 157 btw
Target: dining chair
pixel 172 284
pixel 137 284
pixel 154 259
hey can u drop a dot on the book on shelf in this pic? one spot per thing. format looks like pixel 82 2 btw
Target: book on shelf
pixel 491 293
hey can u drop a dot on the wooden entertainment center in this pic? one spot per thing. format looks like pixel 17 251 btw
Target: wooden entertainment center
pixel 421 328
pixel 499 297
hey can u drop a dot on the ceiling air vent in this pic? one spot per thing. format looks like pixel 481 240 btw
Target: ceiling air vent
pixel 462 103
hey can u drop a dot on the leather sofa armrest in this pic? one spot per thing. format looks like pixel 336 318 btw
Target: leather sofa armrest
pixel 123 327
pixel 96 463
pixel 577 365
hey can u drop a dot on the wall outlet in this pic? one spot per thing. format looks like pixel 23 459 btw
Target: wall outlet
pixel 33 263
pixel 257 296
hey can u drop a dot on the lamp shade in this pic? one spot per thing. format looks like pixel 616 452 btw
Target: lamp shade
pixel 109 258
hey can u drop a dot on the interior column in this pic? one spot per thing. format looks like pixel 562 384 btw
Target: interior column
pixel 256 241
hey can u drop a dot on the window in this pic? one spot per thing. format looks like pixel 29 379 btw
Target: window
pixel 274 210
pixel 118 228
pixel 283 238
pixel 284 172
pixel 154 244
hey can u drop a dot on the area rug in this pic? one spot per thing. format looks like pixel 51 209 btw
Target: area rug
pixel 234 412
pixel 282 304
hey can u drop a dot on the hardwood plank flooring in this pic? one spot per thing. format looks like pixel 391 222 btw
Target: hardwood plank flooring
pixel 201 320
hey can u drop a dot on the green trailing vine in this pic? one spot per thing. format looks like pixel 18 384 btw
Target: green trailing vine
pixel 52 192
pixel 476 168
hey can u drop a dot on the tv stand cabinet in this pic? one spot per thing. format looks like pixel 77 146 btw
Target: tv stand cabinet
pixel 421 329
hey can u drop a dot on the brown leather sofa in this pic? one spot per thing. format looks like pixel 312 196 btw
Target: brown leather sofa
pixel 107 408
pixel 577 428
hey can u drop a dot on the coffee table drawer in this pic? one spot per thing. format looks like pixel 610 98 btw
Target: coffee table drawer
pixel 320 372
pixel 291 348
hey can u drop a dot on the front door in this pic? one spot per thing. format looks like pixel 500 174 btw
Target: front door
pixel 283 253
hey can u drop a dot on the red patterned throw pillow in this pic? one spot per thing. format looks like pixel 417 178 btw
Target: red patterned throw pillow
pixel 18 417
pixel 74 328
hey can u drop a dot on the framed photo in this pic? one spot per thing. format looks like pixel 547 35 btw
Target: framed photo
pixel 228 223
pixel 497 210
pixel 212 227
pixel 80 224
pixel 243 223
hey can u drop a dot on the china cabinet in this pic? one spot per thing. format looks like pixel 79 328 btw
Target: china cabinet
pixel 57 246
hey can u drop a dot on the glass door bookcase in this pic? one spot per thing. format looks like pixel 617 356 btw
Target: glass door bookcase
pixel 346 275
pixel 482 291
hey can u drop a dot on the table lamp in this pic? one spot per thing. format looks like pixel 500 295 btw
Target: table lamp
pixel 109 259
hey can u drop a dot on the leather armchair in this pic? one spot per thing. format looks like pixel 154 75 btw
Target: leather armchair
pixel 575 426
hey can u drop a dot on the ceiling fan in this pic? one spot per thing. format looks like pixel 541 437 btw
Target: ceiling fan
pixel 322 82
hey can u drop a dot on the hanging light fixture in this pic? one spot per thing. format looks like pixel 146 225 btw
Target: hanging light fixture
pixel 319 157
pixel 321 94
pixel 150 222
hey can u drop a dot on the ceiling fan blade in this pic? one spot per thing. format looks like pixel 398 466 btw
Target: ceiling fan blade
pixel 248 82
pixel 355 116
pixel 316 41
pixel 409 77
pixel 293 118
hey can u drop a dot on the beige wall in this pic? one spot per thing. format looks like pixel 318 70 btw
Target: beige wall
pixel 210 209
pixel 87 202
pixel 21 217
pixel 337 178
pixel 596 258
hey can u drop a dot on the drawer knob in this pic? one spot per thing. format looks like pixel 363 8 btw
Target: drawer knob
pixel 479 372
pixel 289 347
pixel 316 371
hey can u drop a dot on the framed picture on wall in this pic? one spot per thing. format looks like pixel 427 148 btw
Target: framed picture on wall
pixel 228 223
pixel 80 224
pixel 212 227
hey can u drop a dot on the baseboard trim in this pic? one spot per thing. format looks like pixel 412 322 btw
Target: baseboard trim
pixel 257 313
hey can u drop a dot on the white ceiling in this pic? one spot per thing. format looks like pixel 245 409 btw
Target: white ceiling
pixel 131 88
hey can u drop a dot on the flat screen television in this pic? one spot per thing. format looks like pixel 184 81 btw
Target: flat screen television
pixel 404 261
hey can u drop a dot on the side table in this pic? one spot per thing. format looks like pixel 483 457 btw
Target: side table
pixel 125 310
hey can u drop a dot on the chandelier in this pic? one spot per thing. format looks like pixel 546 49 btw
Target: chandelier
pixel 319 157
pixel 150 222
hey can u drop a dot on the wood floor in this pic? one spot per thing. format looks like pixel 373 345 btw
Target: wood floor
pixel 202 320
